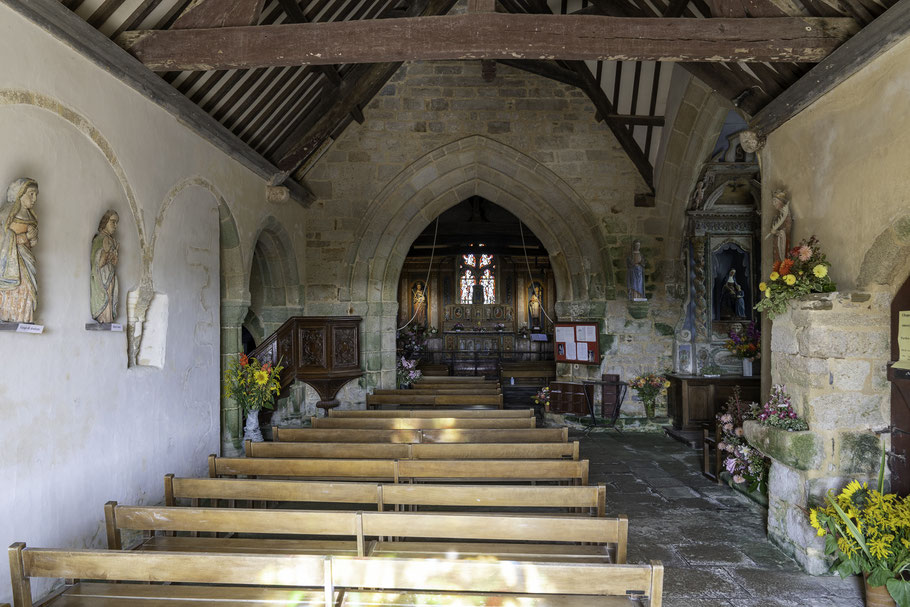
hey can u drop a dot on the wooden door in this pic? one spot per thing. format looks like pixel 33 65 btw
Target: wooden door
pixel 899 460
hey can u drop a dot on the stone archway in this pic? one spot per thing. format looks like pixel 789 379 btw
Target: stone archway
pixel 274 282
pixel 545 203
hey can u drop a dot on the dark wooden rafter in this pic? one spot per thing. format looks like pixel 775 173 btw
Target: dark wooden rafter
pixel 546 69
pixel 491 36
pixel 295 15
pixel 357 87
pixel 219 13
pixel 873 40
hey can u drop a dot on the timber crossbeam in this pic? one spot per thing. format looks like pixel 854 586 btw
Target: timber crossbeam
pixel 491 36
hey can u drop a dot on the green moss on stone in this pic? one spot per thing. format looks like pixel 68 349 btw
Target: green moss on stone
pixel 800 450
pixel 859 453
pixel 606 342
pixel 663 328
pixel 638 309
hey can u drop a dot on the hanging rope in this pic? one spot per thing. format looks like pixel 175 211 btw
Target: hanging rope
pixel 530 276
pixel 426 283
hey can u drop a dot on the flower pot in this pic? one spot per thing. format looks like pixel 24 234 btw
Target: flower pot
pixel 650 406
pixel 251 429
pixel 877 596
pixel 747 367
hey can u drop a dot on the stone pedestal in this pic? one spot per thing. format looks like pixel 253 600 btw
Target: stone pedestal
pixel 830 351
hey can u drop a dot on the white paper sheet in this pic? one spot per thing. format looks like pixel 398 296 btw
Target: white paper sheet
pixel 582 351
pixel 903 340
pixel 570 351
pixel 565 334
pixel 591 333
pixel 580 333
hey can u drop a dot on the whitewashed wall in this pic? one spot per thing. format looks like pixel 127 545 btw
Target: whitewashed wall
pixel 78 427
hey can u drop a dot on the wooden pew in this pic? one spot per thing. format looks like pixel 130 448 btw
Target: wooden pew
pixel 446 391
pixel 527 373
pixel 503 497
pixel 430 535
pixel 423 423
pixel 344 435
pixel 521 470
pixel 191 579
pixel 434 400
pixel 454 379
pixel 429 413
pixel 414 451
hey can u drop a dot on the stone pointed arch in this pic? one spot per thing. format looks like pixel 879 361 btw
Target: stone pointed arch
pixel 473 166
pixel 274 264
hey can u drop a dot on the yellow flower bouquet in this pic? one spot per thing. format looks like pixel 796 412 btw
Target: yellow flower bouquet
pixel 803 271
pixel 252 384
pixel 868 531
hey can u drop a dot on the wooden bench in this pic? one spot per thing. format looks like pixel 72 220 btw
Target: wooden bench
pixel 447 391
pixel 191 579
pixel 527 373
pixel 503 497
pixel 336 435
pixel 434 400
pixel 458 388
pixel 423 423
pixel 436 535
pixel 434 369
pixel 413 450
pixel 454 379
pixel 429 413
pixel 521 470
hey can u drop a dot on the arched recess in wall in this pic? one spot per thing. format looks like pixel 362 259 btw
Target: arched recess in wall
pixel 476 166
pixel 887 262
pixel 274 282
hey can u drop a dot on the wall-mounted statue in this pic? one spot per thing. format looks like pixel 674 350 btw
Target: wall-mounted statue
pixel 18 267
pixel 535 305
pixel 105 290
pixel 419 303
pixel 635 272
pixel 782 226
pixel 732 298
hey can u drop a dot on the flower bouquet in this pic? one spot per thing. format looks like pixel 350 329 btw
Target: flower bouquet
pixel 803 271
pixel 778 412
pixel 254 386
pixel 868 531
pixel 543 398
pixel 744 462
pixel 745 342
pixel 408 372
pixel 648 387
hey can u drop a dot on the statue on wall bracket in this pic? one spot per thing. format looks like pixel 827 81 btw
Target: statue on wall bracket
pixel 635 272
pixel 18 266
pixel 782 227
pixel 535 305
pixel 105 290
pixel 419 303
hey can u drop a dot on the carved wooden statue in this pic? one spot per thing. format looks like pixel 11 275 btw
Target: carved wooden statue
pixel 105 291
pixel 782 226
pixel 18 266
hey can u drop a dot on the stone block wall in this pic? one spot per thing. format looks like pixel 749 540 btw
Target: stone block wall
pixel 831 351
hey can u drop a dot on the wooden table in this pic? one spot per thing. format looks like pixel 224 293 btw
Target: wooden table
pixel 694 400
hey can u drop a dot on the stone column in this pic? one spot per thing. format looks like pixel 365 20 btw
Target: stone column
pixel 232 314
pixel 830 350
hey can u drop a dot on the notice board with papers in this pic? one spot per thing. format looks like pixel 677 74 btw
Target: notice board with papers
pixel 577 342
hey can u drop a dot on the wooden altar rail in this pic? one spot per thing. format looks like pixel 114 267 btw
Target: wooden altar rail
pixel 453 451
pixel 341 494
pixel 433 413
pixel 521 470
pixel 333 435
pixel 191 578
pixel 423 423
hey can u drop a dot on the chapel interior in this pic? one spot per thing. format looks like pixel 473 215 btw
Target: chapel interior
pixel 469 230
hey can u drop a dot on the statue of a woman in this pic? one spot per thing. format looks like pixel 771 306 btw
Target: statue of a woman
pixel 782 226
pixel 419 301
pixel 732 298
pixel 535 318
pixel 18 267
pixel 635 272
pixel 105 255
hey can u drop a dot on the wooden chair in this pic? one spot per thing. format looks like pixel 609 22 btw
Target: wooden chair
pixel 191 579
pixel 451 451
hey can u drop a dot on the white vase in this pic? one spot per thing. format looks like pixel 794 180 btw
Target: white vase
pixel 251 429
pixel 747 367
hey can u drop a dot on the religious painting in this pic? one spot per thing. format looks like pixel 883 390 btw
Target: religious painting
pixel 731 295
pixel 419 302
pixel 535 304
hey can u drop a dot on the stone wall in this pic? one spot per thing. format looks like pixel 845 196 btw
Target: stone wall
pixel 436 134
pixel 830 350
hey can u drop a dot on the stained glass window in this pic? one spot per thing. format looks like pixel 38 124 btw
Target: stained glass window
pixel 472 267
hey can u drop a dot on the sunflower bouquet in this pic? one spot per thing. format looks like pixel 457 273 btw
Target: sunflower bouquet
pixel 252 384
pixel 868 531
pixel 803 271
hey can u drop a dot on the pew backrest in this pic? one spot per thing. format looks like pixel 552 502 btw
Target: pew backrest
pixel 413 450
pixel 436 400
pixel 209 575
pixel 433 413
pixel 423 423
pixel 462 435
pixel 504 497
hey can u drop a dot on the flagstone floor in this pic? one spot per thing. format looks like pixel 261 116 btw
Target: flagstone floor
pixel 710 539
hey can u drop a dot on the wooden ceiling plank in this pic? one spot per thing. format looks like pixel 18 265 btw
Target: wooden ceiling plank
pixel 266 95
pixel 170 16
pixel 873 40
pixel 276 131
pixel 637 119
pixel 135 19
pixel 491 36
pixel 284 111
pixel 73 5
pixel 296 15
pixel 652 107
pixel 676 8
pixel 219 13
pixel 227 110
pixel 189 82
pixel 104 12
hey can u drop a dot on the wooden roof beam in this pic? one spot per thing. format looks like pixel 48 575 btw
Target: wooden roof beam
pixel 490 36
pixel 295 15
pixel 219 13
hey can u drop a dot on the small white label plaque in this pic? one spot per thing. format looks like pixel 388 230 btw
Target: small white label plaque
pixel 117 328
pixel 29 328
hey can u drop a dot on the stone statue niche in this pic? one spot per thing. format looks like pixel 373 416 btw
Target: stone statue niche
pixel 731 295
